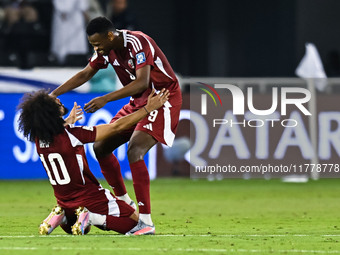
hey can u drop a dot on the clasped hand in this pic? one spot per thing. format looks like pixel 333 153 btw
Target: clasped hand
pixel 94 105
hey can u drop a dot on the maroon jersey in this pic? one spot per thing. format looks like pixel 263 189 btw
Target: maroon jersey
pixel 141 50
pixel 66 165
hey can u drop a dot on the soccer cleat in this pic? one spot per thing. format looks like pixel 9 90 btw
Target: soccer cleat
pixel 82 221
pixel 142 229
pixel 133 205
pixel 56 217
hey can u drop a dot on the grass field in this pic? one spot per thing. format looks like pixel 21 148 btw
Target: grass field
pixel 197 217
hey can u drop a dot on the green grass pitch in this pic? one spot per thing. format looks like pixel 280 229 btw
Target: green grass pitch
pixel 192 217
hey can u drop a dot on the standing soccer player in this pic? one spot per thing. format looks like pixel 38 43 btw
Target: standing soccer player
pixel 141 66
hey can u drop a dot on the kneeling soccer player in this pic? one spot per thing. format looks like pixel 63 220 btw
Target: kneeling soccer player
pixel 81 200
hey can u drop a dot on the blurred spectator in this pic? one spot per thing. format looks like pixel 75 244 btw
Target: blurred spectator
pixel 22 29
pixel 103 5
pixel 2 16
pixel 68 28
pixel 21 18
pixel 120 15
pixel 95 10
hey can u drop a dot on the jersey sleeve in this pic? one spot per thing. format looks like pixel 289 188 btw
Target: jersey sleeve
pixel 84 134
pixel 142 51
pixel 97 61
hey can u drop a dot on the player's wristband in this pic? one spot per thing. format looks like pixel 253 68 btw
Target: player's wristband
pixel 146 110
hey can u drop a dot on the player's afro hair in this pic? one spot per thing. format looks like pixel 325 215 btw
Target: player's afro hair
pixel 40 116
pixel 100 25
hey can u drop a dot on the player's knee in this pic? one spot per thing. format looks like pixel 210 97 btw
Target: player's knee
pixel 96 149
pixel 135 153
pixel 100 151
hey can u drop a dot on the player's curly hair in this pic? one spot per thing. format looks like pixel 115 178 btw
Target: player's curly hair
pixel 40 116
pixel 100 25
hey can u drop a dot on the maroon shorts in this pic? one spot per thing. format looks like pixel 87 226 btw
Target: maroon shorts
pixel 99 201
pixel 161 124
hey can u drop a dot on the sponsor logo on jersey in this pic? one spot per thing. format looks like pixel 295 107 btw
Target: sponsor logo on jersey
pixel 115 63
pixel 140 58
pixel 130 64
pixel 148 126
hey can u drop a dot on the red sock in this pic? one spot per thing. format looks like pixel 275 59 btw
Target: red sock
pixel 119 224
pixel 111 170
pixel 141 184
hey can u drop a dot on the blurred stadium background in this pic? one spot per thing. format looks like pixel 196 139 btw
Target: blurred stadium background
pixel 251 44
pixel 256 44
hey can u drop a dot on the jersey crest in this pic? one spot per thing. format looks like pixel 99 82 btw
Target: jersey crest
pixel 130 64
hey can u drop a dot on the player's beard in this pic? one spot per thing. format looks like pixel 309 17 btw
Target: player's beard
pixel 65 110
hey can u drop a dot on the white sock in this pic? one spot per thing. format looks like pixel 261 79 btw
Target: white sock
pixel 125 198
pixel 146 218
pixel 97 219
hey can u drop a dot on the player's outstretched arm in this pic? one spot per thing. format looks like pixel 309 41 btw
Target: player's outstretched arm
pixel 154 102
pixel 75 115
pixel 133 88
pixel 74 82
